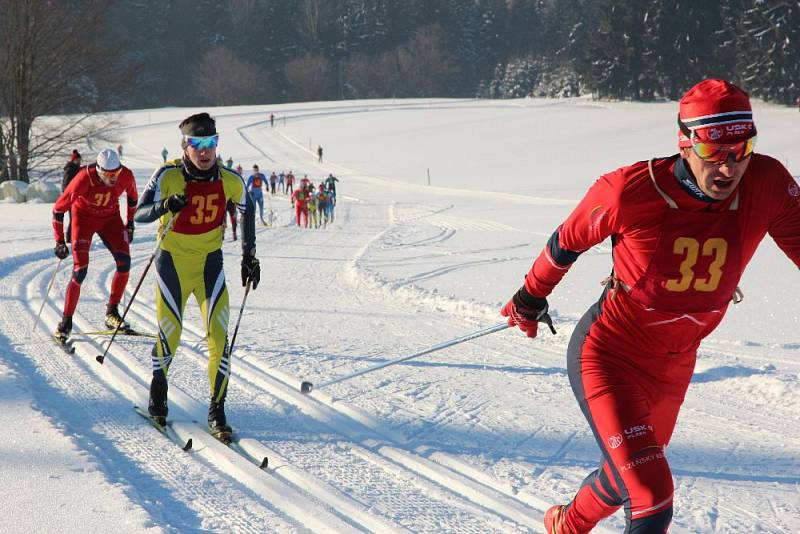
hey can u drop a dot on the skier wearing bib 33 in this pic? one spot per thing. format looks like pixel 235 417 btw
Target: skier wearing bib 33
pixel 682 228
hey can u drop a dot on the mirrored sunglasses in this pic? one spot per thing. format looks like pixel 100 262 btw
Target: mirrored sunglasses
pixel 718 153
pixel 202 143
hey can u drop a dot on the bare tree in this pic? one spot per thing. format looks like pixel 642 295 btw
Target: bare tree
pixel 427 67
pixel 222 79
pixel 373 76
pixel 52 61
pixel 421 67
pixel 310 77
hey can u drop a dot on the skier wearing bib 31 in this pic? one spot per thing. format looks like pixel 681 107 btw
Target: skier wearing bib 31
pixel 683 228
pixel 194 191
pixel 93 199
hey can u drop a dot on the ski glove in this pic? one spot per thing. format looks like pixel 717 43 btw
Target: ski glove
pixel 174 203
pixel 251 270
pixel 129 230
pixel 61 251
pixel 526 311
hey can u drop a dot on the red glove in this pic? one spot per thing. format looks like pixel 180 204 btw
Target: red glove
pixel 526 311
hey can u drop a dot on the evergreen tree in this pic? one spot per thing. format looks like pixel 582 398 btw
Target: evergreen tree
pixel 772 46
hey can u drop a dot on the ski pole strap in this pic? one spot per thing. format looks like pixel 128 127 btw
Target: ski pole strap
pixel 434 348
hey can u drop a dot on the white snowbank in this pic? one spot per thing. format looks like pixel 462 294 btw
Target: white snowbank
pixel 43 192
pixel 13 191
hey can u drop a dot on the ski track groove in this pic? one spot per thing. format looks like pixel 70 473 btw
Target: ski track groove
pixel 417 493
pixel 111 435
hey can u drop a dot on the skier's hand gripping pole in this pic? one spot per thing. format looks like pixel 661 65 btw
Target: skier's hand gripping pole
pixel 306 387
pixel 164 231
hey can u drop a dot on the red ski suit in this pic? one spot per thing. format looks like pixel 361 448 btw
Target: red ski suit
pixel 95 210
pixel 300 203
pixel 677 261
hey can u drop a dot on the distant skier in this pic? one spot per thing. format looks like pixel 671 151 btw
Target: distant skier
pixel 330 185
pixel 304 181
pixel 319 153
pixel 300 203
pixel 255 183
pixel 164 154
pixel 272 120
pixel 229 163
pixel 273 182
pixel 70 170
pixel 313 220
pixel 230 207
pixel 119 151
pixel 93 196
pixel 289 183
pixel 323 200
pixel 281 178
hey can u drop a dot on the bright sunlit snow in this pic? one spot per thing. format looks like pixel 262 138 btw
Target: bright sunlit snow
pixel 479 437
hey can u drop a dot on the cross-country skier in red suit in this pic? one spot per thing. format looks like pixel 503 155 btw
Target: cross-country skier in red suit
pixel 683 228
pixel 93 196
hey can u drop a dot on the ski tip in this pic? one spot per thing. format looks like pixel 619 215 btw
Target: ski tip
pixel 188 445
pixel 306 387
pixel 264 463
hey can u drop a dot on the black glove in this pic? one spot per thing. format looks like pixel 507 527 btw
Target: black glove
pixel 129 229
pixel 251 270
pixel 61 251
pixel 174 203
pixel 526 311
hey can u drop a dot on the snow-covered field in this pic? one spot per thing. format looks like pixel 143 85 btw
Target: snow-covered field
pixel 479 437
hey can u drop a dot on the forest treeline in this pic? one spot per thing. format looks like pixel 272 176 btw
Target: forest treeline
pixel 73 58
pixel 256 51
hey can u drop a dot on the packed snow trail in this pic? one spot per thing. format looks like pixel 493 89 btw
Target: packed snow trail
pixel 476 438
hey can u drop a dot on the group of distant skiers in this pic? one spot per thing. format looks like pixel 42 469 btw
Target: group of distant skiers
pixel 314 206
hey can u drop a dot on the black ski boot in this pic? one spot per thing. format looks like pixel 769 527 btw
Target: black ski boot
pixel 217 423
pixel 62 332
pixel 114 320
pixel 157 407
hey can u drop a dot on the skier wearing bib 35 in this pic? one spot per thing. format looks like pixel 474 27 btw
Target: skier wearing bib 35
pixel 194 191
pixel 682 228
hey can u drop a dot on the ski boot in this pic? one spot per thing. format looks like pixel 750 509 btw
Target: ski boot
pixel 157 407
pixel 217 423
pixel 113 319
pixel 61 336
pixel 553 518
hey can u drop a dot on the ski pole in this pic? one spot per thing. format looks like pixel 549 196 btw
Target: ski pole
pixel 306 387
pixel 167 227
pixel 47 294
pixel 239 319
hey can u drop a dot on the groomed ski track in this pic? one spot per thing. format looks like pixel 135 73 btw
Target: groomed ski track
pixel 360 455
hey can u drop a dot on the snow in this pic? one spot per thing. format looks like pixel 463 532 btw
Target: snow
pixel 479 437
